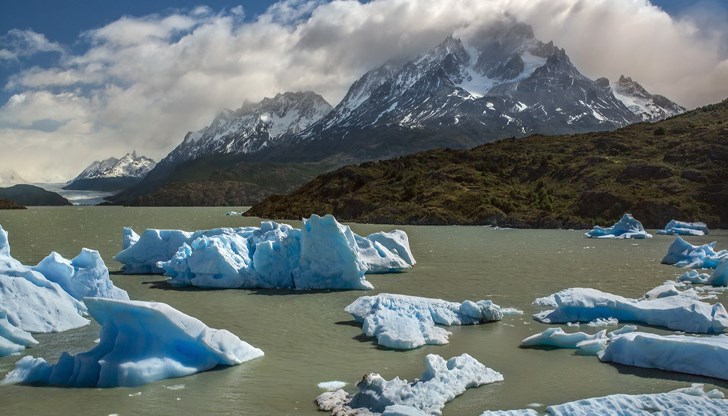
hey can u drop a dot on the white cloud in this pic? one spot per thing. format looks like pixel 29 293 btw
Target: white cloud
pixel 144 82
pixel 18 43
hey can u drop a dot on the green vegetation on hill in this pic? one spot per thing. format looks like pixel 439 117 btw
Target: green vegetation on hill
pixel 676 168
pixel 6 204
pixel 32 196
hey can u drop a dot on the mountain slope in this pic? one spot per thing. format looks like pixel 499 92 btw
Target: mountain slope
pixel 32 196
pixel 112 173
pixel 671 169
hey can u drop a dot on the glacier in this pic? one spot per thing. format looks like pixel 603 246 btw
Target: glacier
pixel 704 356
pixel 323 254
pixel 689 401
pixel 684 228
pixel 681 313
pixel 441 382
pixel 626 227
pixel 405 322
pixel 140 342
pixel 683 254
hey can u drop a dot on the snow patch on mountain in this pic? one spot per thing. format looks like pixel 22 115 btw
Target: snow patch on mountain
pixel 129 166
pixel 650 107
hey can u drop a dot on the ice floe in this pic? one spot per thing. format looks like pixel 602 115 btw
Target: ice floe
pixel 704 356
pixel 684 228
pixel 441 382
pixel 323 254
pixel 683 254
pixel 682 313
pixel 690 401
pixel 404 322
pixel 587 343
pixel 719 277
pixel 626 227
pixel 141 342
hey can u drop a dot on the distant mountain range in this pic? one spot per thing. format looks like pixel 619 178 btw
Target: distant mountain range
pixel 471 89
pixel 673 169
pixel 113 174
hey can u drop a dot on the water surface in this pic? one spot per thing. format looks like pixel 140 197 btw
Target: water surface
pixel 308 338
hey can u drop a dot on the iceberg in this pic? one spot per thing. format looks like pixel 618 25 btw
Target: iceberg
pixel 30 301
pixel 681 313
pixel 12 339
pixel 718 278
pixel 406 322
pixel 441 382
pixel 683 254
pixel 704 356
pixel 684 228
pixel 626 227
pixel 690 401
pixel 323 254
pixel 586 343
pixel 85 275
pixel 140 342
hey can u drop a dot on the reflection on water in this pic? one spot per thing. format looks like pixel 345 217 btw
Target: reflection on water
pixel 308 338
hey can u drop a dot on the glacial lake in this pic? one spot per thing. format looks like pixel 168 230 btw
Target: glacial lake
pixel 308 338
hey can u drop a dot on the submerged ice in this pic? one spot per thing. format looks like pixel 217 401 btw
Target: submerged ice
pixel 323 254
pixel 683 254
pixel 140 342
pixel 682 313
pixel 626 227
pixel 441 382
pixel 684 228
pixel 405 322
pixel 690 401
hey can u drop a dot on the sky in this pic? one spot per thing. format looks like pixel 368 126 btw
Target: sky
pixel 84 80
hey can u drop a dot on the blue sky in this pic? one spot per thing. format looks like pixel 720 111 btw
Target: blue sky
pixel 90 79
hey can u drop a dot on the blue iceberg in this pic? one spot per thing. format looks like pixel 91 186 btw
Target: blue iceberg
pixel 626 227
pixel 30 301
pixel 690 401
pixel 681 313
pixel 140 342
pixel 684 228
pixel 704 356
pixel 323 254
pixel 406 322
pixel 441 382
pixel 683 254
pixel 719 277
pixel 85 275
pixel 12 339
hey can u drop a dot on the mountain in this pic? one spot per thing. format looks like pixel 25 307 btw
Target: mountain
pixel 112 173
pixel 647 106
pixel 10 177
pixel 7 204
pixel 672 169
pixel 32 195
pixel 477 86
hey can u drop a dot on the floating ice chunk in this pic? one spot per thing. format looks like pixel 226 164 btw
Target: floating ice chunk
pixel 332 385
pixel 140 342
pixel 84 276
pixel 441 382
pixel 405 322
pixel 233 213
pixel 626 227
pixel 662 291
pixel 718 278
pixel 510 311
pixel 680 313
pixel 12 339
pixel 324 254
pixel 705 356
pixel 30 301
pixel 587 343
pixel 601 322
pixel 684 228
pixel 683 254
pixel 128 238
pixel 691 401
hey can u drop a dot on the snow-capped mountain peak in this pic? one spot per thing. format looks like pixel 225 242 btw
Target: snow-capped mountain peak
pixel 129 166
pixel 649 107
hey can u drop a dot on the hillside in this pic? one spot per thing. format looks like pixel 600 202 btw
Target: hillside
pixel 32 195
pixel 7 204
pixel 674 168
